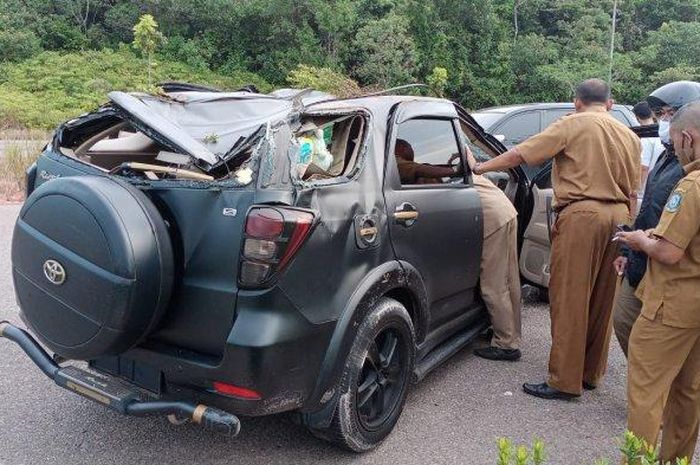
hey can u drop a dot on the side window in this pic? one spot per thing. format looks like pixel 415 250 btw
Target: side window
pixel 618 115
pixel 519 127
pixel 426 152
pixel 551 116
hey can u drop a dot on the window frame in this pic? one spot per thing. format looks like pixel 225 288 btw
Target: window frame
pixel 497 129
pixel 465 180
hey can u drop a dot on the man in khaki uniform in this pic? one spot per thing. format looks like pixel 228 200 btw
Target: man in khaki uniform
pixel 595 174
pixel 664 347
pixel 500 275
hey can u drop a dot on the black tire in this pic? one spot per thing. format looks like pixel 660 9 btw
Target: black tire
pixel 375 379
pixel 542 295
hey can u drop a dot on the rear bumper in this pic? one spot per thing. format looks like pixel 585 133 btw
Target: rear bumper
pixel 115 393
pixel 271 349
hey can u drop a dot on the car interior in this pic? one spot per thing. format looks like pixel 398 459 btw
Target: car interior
pixel 338 136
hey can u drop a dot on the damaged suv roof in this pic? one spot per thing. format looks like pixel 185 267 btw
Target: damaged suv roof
pixel 207 125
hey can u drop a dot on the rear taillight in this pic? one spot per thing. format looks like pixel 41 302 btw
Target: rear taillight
pixel 272 236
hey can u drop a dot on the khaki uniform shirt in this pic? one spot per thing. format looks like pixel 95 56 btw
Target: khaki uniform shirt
pixel 676 288
pixel 498 210
pixel 595 157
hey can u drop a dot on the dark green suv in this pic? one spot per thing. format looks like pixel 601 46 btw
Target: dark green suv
pixel 214 254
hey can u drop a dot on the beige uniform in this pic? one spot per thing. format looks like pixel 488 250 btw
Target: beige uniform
pixel 596 168
pixel 664 347
pixel 500 275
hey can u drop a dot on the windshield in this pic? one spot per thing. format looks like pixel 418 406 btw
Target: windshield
pixel 487 119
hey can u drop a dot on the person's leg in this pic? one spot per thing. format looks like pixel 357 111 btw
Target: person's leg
pixel 514 285
pixel 656 354
pixel 575 257
pixel 602 296
pixel 496 270
pixel 682 413
pixel 626 310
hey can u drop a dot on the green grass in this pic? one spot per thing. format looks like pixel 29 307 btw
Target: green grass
pixel 53 87
pixel 18 156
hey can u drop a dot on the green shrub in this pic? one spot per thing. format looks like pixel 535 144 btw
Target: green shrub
pixel 53 87
pixel 634 450
pixel 17 44
pixel 323 79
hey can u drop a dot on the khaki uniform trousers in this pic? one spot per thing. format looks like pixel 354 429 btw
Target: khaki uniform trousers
pixel 664 363
pixel 500 285
pixel 581 292
pixel 625 312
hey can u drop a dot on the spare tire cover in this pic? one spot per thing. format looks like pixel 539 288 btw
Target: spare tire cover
pixel 92 265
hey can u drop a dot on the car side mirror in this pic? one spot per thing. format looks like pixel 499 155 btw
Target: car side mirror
pixel 500 137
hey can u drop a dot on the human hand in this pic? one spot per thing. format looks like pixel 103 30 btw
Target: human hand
pixel 635 240
pixel 620 265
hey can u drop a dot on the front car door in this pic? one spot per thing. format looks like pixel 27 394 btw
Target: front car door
pixel 435 224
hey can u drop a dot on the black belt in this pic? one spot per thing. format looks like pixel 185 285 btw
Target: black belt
pixel 559 208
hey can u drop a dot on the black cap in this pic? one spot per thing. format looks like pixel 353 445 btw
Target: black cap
pixel 675 94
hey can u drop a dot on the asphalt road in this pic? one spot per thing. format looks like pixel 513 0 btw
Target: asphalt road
pixel 453 417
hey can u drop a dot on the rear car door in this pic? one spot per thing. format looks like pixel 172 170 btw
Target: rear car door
pixel 435 226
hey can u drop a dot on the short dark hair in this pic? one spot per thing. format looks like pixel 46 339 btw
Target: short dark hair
pixel 593 91
pixel 642 110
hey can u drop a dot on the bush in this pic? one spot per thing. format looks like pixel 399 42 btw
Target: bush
pixel 18 44
pixel 323 79
pixel 53 87
pixel 634 450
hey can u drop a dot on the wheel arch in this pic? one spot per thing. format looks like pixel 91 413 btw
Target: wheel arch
pixel 396 279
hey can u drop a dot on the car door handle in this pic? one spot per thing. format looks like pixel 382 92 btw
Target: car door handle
pixel 406 214
pixel 403 216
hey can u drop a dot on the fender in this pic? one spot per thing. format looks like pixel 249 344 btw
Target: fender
pixel 378 283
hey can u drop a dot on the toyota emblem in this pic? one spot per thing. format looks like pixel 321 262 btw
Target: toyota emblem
pixel 54 272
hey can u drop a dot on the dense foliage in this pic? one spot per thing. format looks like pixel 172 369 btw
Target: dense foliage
pixel 493 51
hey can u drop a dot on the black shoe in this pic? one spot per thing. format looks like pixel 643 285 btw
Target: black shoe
pixel 589 386
pixel 544 391
pixel 496 353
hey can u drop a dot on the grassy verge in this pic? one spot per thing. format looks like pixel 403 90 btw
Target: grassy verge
pixel 21 149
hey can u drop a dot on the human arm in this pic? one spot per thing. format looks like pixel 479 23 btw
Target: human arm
pixel 507 160
pixel 533 151
pixel 656 248
pixel 432 171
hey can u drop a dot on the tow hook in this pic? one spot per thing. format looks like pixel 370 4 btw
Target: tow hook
pixel 116 394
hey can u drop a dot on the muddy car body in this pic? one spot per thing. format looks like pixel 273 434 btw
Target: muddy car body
pixel 175 244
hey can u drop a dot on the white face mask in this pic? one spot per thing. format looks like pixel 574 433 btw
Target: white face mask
pixel 665 132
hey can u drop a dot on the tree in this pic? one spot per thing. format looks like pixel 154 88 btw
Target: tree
pixel 147 38
pixel 18 45
pixel 386 53
pixel 437 80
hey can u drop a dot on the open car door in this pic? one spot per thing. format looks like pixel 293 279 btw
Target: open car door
pixel 534 255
